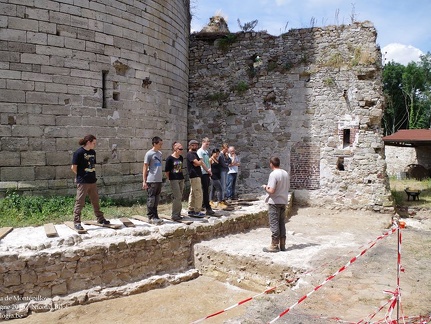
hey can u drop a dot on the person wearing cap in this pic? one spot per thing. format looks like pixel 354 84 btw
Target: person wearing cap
pixel 152 179
pixel 194 164
pixel 204 155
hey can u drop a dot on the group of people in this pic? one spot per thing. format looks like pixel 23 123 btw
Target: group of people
pixel 209 174
pixel 212 177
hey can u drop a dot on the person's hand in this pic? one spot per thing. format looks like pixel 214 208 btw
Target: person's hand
pixel 144 186
pixel 264 186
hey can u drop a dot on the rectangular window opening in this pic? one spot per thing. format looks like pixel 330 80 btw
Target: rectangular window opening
pixel 346 138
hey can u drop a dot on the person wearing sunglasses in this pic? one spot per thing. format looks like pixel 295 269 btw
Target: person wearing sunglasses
pixel 174 173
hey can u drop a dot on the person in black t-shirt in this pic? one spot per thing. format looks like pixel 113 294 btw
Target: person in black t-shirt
pixel 174 172
pixel 195 173
pixel 83 165
pixel 216 192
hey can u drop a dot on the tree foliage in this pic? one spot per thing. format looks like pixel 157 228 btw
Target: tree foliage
pixel 408 96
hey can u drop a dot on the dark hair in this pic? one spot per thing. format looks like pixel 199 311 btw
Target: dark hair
pixel 275 161
pixel 86 139
pixel 216 150
pixel 173 145
pixel 156 140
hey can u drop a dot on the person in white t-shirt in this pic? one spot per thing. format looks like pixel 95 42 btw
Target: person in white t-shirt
pixel 277 198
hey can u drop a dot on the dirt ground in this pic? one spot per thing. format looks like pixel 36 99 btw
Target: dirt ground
pixel 354 294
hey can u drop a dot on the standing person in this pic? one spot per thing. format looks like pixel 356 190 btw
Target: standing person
pixel 277 198
pixel 232 174
pixel 216 189
pixel 206 174
pixel 174 172
pixel 224 161
pixel 152 179
pixel 195 173
pixel 83 165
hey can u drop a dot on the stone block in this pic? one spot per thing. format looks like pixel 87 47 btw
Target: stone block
pixel 33 158
pixel 44 173
pixel 37 38
pixel 59 289
pixel 58 158
pixel 14 144
pixel 17 174
pixel 27 131
pixel 13 35
pixel 10 158
pixel 55 132
pixel 12 95
pixel 20 85
pixel 42 98
pixel 11 279
pixel 47 276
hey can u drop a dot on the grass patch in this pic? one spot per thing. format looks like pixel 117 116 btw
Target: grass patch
pixel 400 197
pixel 20 211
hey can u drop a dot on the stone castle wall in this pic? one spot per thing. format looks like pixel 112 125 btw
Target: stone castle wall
pixel 117 69
pixel 309 96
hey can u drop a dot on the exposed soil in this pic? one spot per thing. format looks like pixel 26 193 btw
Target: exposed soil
pixel 352 295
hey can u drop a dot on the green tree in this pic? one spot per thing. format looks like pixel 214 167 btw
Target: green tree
pixel 395 116
pixel 407 94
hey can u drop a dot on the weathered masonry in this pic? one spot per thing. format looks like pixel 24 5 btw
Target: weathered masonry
pixel 126 71
pixel 116 69
pixel 311 96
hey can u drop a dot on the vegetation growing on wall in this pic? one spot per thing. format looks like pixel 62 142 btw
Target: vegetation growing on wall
pixel 225 42
pixel 240 87
pixel 220 97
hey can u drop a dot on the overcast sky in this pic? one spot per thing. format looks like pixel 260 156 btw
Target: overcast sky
pixel 403 27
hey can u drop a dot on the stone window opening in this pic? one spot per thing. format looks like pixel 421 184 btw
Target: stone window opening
pixel 104 74
pixel 340 164
pixel 346 138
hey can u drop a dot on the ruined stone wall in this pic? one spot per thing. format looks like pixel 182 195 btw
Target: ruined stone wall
pixel 117 69
pixel 309 96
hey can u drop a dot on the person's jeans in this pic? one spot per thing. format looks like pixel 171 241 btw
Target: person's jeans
pixel 231 182
pixel 82 190
pixel 205 180
pixel 177 187
pixel 216 189
pixel 277 221
pixel 195 197
pixel 223 180
pixel 153 191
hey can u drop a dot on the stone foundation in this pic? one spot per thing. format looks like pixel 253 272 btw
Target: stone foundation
pixel 44 274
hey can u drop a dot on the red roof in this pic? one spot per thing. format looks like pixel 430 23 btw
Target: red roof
pixel 409 137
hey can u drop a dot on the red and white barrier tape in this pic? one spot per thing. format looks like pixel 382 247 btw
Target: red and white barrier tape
pixel 335 274
pixel 233 306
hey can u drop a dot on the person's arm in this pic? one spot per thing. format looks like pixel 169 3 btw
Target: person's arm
pixel 144 176
pixel 74 168
pixel 197 162
pixel 268 189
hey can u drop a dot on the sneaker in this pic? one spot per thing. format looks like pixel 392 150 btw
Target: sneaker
pixel 198 215
pixel 210 211
pixel 190 213
pixel 156 221
pixel 214 204
pixel 103 221
pixel 222 205
pixel 78 227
